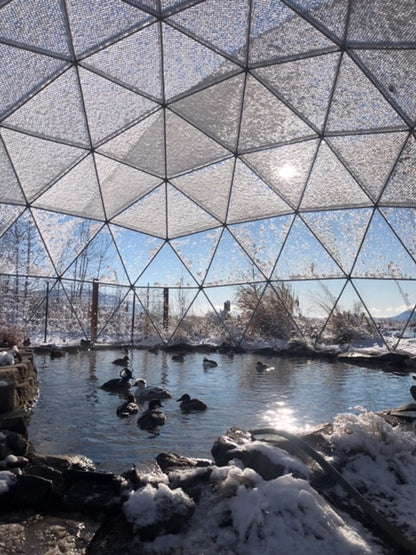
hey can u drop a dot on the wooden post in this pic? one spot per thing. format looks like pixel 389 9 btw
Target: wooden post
pixel 165 308
pixel 133 314
pixel 45 333
pixel 94 311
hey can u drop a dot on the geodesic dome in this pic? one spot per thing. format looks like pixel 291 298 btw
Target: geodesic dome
pixel 196 147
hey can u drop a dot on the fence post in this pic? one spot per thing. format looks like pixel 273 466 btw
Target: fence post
pixel 94 311
pixel 45 332
pixel 165 308
pixel 133 313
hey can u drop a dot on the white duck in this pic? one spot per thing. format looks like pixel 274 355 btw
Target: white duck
pixel 147 393
pixel 8 358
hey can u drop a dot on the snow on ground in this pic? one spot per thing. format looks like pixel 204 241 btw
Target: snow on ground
pixel 243 514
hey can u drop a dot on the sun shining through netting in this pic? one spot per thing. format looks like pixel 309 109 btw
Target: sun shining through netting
pixel 235 170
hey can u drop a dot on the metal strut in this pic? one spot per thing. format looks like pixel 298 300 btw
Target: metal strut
pixel 393 531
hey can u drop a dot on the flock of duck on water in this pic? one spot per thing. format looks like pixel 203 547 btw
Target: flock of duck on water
pixel 154 417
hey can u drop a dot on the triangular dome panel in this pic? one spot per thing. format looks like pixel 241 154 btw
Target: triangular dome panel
pixel 45 115
pixel 361 107
pixel 122 185
pixel 403 221
pixel 111 21
pixel 267 121
pixel 279 32
pixel 148 215
pixel 333 16
pixel 341 232
pixel 386 258
pixel 231 264
pixel 45 26
pixel 209 186
pixel 263 240
pixel 23 251
pixel 166 269
pixel 330 185
pixel 371 22
pixel 370 158
pixel 184 216
pixel 251 198
pixel 400 189
pixel 226 35
pixel 186 317
pixel 121 63
pixel 350 320
pixel 393 314
pixel 188 148
pixel 23 74
pixel 110 107
pixel 60 308
pixel 306 84
pixel 74 236
pixel 8 214
pixel 285 168
pixel 9 185
pixel 196 251
pixel 303 257
pixel 98 260
pixel 70 194
pixel 187 63
pixel 38 162
pixel 136 249
pixel 395 70
pixel 216 110
pixel 141 146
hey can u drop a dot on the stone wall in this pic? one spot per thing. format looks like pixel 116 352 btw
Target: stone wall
pixel 19 389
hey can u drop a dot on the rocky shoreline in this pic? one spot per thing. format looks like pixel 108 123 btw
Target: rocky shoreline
pixel 61 502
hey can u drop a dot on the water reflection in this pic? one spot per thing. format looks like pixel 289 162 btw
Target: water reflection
pixel 281 417
pixel 73 415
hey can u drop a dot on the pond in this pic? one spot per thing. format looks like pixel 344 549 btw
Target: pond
pixel 73 415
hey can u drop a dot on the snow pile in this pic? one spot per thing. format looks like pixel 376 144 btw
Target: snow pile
pixel 238 512
pixel 379 461
pixel 149 505
pixel 7 479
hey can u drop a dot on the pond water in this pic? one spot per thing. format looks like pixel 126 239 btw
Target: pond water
pixel 73 415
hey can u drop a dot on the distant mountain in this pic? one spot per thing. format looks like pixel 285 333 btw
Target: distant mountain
pixel 404 316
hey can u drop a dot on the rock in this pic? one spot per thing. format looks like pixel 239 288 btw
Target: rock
pixel 168 461
pixel 94 490
pixel 229 442
pixel 15 444
pixel 31 491
pixel 192 481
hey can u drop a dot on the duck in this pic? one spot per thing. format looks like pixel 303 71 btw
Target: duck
pixel 56 352
pixel 152 417
pixel 261 366
pixel 128 408
pixel 119 384
pixel 207 363
pixel 147 393
pixel 179 357
pixel 187 404
pixel 413 391
pixel 8 358
pixel 122 361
